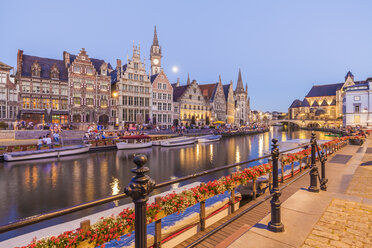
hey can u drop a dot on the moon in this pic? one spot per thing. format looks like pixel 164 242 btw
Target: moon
pixel 175 69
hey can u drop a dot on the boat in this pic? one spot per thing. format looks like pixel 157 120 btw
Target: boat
pixel 179 141
pixel 209 138
pixel 157 142
pixel 332 135
pixel 54 152
pixel 134 142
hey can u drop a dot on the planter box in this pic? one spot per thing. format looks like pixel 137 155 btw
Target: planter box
pixel 356 142
pixel 2 151
pixel 17 149
pixel 100 143
pixel 86 244
pixel 31 149
pixel 44 148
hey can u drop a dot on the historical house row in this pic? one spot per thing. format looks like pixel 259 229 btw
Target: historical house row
pixel 80 90
pixel 340 103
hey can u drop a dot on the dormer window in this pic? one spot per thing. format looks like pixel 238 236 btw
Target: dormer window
pixel 35 69
pixel 77 69
pixel 54 72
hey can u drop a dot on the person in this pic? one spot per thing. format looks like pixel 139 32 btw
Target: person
pixel 39 142
pixel 48 141
pixel 56 137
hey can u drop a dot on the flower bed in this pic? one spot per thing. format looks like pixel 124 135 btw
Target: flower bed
pixel 113 227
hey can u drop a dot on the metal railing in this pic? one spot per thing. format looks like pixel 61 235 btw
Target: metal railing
pixel 142 185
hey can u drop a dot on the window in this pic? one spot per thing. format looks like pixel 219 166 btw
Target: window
pixel 141 101
pixel 159 118
pixel 46 103
pixel 169 106
pixel 194 90
pixel 63 104
pixel 55 89
pixel 130 100
pixel 176 109
pixel 356 108
pixel 169 97
pixel 125 100
pixel 2 94
pixel 124 87
pixel 89 71
pixel 159 106
pixel 104 101
pixel 2 78
pixel 199 98
pixel 164 106
pixel 141 89
pixel 154 95
pixel 64 91
pixel 147 102
pixel 147 89
pixel 77 69
pixel 90 85
pixel 125 114
pixel 159 96
pixel 135 88
pixel 169 118
pixel 356 98
pixel 130 87
pixel 135 65
pixel 159 86
pixel 135 101
pixel 26 103
pixel 77 84
pixel 135 77
pixel 26 87
pixel 190 96
pixel 55 104
pixel 164 86
pixel 90 100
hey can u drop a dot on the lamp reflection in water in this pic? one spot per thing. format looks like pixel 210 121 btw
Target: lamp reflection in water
pixel 175 185
pixel 260 145
pixel 211 152
pixel 237 154
pixel 115 189
pixel 197 152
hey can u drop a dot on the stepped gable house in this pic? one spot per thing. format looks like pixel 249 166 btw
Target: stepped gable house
pixel 230 102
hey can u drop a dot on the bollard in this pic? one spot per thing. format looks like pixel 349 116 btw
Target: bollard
pixel 275 224
pixel 232 200
pixel 157 236
pixel 323 180
pixel 314 169
pixel 139 189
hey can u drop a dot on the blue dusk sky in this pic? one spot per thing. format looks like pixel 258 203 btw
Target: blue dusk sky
pixel 282 47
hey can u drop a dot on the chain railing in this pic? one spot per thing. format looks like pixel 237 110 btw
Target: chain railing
pixel 142 185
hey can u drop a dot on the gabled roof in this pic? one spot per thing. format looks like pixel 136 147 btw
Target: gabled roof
pixel 153 77
pixel 305 103
pixel 296 104
pixel 324 103
pixel 4 66
pixel 333 103
pixel 178 92
pixel 324 90
pixel 208 90
pixel 226 89
pixel 45 65
pixel 349 74
pixel 97 63
pixel 315 104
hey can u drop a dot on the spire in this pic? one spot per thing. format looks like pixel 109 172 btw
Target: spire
pixel 155 42
pixel 239 85
pixel 246 88
pixel 219 79
pixel 188 78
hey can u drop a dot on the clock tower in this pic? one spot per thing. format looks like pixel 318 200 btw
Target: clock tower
pixel 155 55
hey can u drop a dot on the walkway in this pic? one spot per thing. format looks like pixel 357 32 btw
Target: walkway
pixel 304 213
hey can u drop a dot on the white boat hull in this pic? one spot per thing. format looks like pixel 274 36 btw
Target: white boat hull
pixel 125 145
pixel 209 138
pixel 178 142
pixel 16 156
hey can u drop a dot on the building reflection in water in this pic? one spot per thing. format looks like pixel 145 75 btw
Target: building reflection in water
pixel 30 188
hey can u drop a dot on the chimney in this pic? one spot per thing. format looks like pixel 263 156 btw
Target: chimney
pixel 178 82
pixel 19 61
pixel 66 58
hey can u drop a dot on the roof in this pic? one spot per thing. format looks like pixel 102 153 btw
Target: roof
pixel 153 77
pixel 315 104
pixel 226 89
pixel 114 76
pixel 305 103
pixel 97 63
pixel 208 90
pixel 324 90
pixel 4 66
pixel 296 104
pixel 324 103
pixel 333 103
pixel 319 112
pixel 45 65
pixel 178 92
pixel 349 74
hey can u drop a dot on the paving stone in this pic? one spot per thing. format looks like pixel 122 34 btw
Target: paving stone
pixel 339 244
pixel 325 234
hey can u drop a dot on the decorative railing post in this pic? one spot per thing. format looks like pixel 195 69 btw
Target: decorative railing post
pixel 139 189
pixel 275 224
pixel 323 180
pixel 314 169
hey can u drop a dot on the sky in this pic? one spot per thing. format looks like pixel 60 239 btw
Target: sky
pixel 282 47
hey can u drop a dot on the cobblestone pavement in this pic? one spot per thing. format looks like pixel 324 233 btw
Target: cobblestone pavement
pixel 343 224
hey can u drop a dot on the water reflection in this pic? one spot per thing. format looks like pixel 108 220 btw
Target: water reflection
pixel 30 188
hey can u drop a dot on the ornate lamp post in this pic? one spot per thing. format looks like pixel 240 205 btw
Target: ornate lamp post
pixel 139 189
pixel 314 169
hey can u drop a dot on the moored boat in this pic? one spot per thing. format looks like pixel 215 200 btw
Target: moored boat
pixel 179 141
pixel 209 138
pixel 54 152
pixel 134 142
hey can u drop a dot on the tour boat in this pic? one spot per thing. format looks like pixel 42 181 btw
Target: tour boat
pixel 158 142
pixel 54 152
pixel 209 138
pixel 134 142
pixel 179 141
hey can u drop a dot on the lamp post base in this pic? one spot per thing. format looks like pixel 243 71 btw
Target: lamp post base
pixel 275 227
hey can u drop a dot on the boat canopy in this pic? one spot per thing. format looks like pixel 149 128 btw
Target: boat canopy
pixel 135 137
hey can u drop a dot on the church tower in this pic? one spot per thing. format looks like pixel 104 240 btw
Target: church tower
pixel 241 102
pixel 155 55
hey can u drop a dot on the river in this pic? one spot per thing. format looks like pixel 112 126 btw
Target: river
pixel 32 187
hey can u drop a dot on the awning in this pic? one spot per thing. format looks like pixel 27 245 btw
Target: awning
pixel 218 122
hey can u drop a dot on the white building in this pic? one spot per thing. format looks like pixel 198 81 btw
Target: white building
pixel 357 104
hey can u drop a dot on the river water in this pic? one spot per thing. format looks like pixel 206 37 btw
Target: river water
pixel 32 187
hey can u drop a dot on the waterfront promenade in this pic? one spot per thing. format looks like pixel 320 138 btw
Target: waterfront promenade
pixel 338 217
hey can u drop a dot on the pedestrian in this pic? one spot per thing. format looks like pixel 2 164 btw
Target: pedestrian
pixel 39 143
